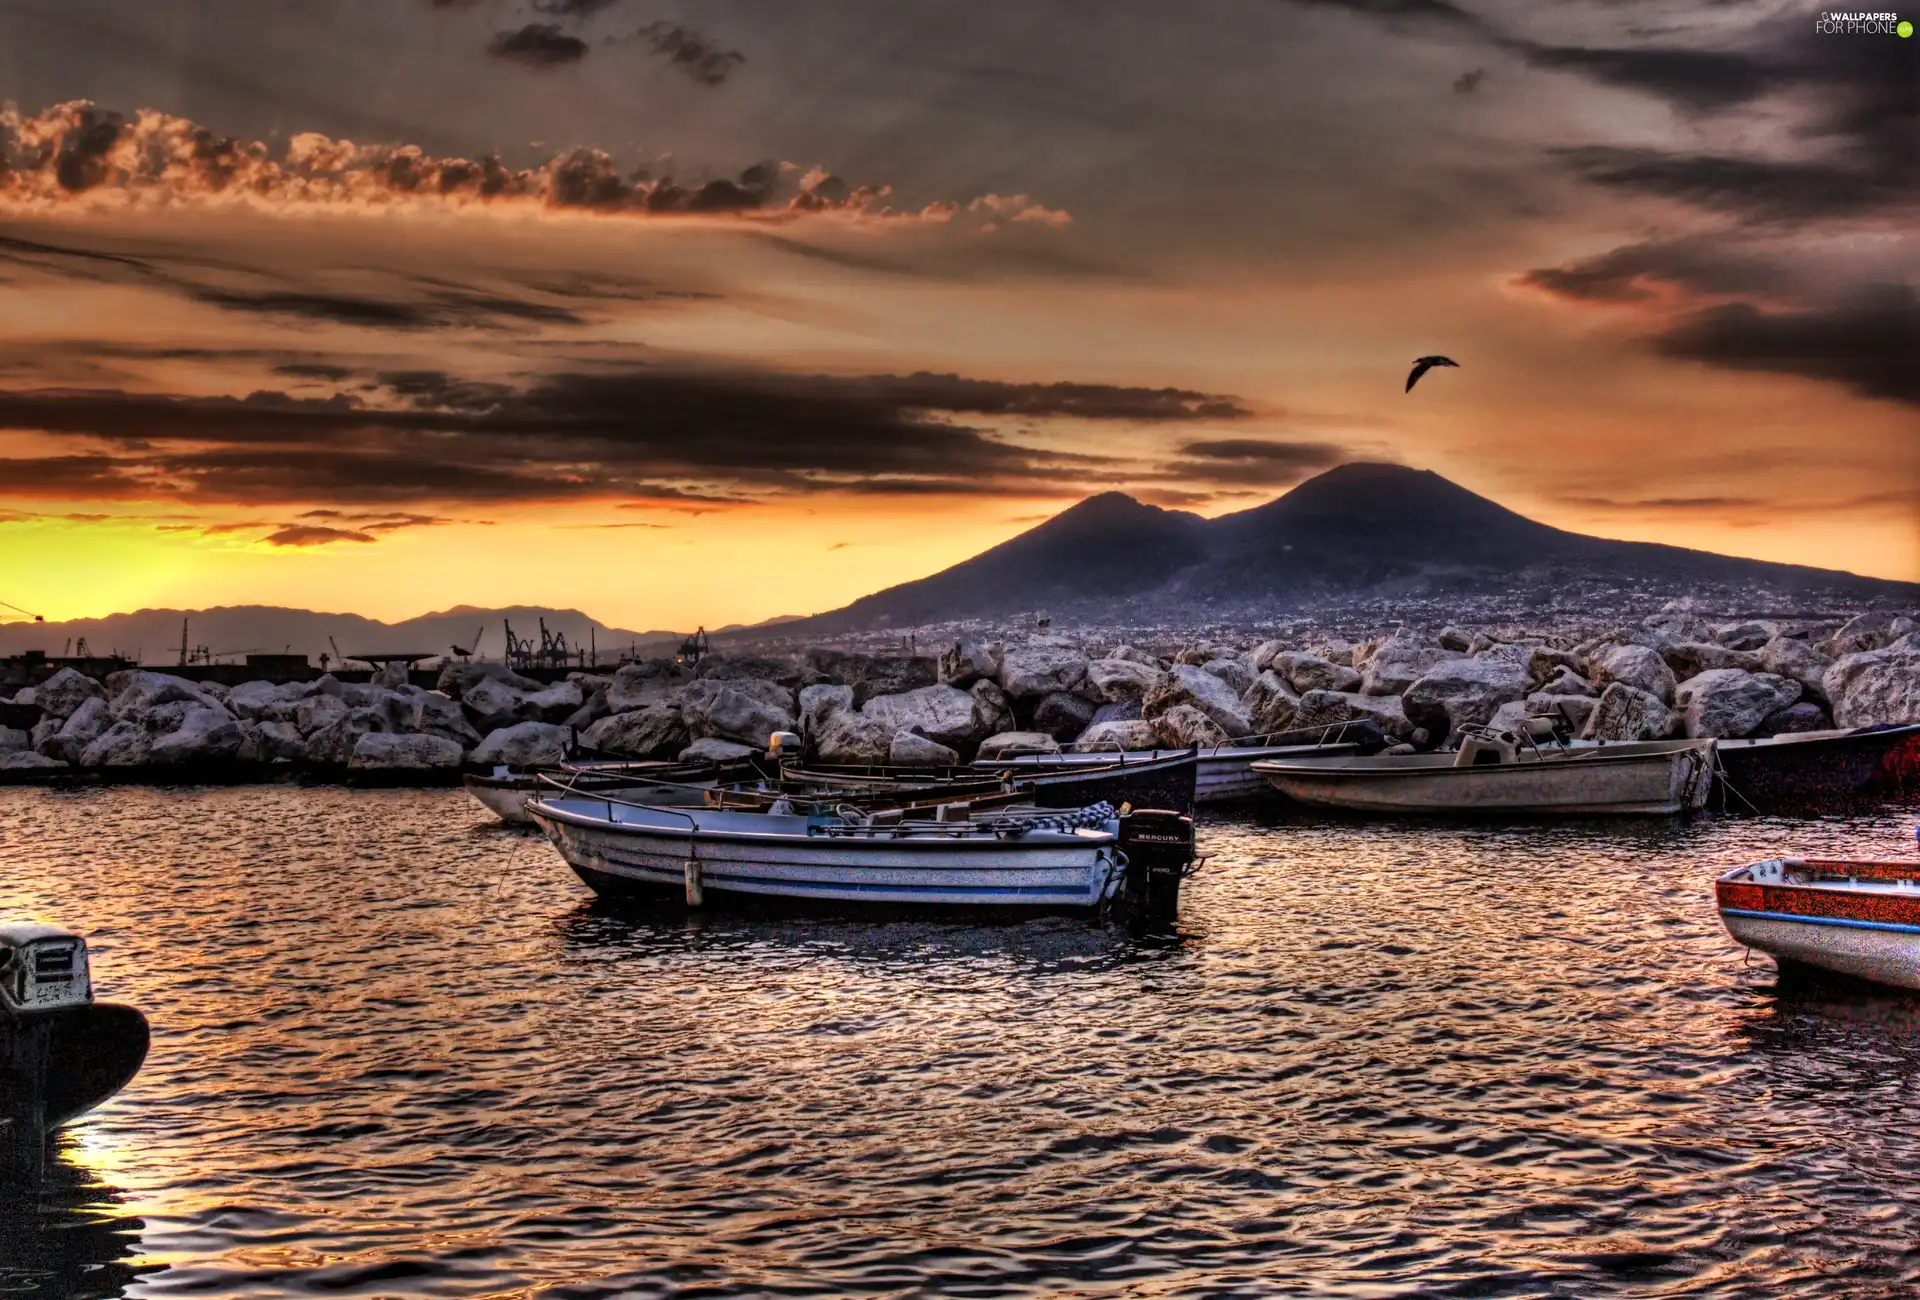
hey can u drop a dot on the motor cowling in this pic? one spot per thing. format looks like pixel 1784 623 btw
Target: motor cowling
pixel 1159 850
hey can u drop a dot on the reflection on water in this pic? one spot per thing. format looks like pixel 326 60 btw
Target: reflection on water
pixel 398 1053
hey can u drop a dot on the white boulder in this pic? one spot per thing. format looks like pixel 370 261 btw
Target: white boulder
pixel 66 691
pixel 1105 736
pixel 383 753
pixel 1637 666
pixel 1728 703
pixel 1009 744
pixel 1033 669
pixel 525 744
pixel 1626 712
pixel 655 732
pixel 911 749
pixel 1186 684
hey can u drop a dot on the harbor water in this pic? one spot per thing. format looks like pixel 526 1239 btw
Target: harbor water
pixel 397 1051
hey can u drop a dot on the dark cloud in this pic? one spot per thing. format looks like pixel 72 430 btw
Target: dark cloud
pixel 1696 80
pixel 97 477
pixel 436 309
pixel 573 8
pixel 1468 82
pixel 312 535
pixel 538 45
pixel 318 370
pixel 1254 461
pixel 1756 188
pixel 1869 345
pixel 697 56
pixel 673 439
pixel 1440 11
pixel 1679 505
pixel 1626 274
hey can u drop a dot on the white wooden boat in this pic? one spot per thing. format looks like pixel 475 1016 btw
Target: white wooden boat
pixel 1224 775
pixel 1860 919
pixel 1656 776
pixel 1018 863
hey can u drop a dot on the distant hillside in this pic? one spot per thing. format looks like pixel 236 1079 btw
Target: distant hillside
pixel 153 635
pixel 1355 531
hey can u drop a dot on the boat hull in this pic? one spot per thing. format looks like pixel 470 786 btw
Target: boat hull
pixel 1623 780
pixel 1222 775
pixel 650 857
pixel 504 796
pixel 1814 771
pixel 1870 935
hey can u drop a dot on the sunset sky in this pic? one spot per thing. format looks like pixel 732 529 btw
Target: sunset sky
pixel 708 313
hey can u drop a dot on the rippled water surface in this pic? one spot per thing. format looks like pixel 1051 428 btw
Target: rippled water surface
pixel 398 1052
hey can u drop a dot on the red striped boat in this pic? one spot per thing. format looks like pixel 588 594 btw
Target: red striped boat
pixel 1851 918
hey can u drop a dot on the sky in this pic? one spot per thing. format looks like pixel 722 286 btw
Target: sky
pixel 705 314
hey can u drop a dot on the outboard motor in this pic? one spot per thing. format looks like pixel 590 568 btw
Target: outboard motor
pixel 61 1052
pixel 1159 849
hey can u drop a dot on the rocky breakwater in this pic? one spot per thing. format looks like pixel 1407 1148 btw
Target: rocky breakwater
pixel 1671 674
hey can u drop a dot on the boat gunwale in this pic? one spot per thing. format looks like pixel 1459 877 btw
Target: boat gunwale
pixel 1079 837
pixel 1594 757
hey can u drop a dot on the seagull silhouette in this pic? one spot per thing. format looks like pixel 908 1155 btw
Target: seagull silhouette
pixel 1424 364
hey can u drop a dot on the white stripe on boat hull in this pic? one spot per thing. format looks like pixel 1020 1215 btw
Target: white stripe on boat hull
pixel 1063 872
pixel 1884 956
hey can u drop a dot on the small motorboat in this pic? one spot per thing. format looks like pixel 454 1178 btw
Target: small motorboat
pixel 1225 773
pixel 1815 771
pixel 1165 778
pixel 504 791
pixel 61 1052
pixel 1860 919
pixel 1021 862
pixel 1504 772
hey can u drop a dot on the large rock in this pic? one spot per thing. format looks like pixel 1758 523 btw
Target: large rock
pixel 13 740
pixel 1270 703
pixel 432 714
pixel 744 710
pixel 911 749
pixel 1804 716
pixel 1750 635
pixel 135 692
pixel 1326 708
pixel 318 712
pixel 1678 625
pixel 1125 711
pixel 1691 658
pixel 818 703
pixel 789 674
pixel 525 744
pixel 1628 713
pixel 1008 744
pixel 384 754
pixel 271 741
pixel 1398 664
pixel 257 701
pixel 641 686
pixel 1458 640
pixel 1119 680
pixel 1233 672
pixel 1728 703
pixel 1039 668
pixel 1062 715
pixel 65 691
pixel 1637 666
pixel 27 760
pixel 1182 726
pixel 1186 684
pixel 1261 657
pixel 656 732
pixel 966 661
pixel 853 738
pixel 1870 631
pixel 711 749
pixel 1310 672
pixel 124 744
pixel 946 714
pixel 458 677
pixel 555 703
pixel 993 709
pixel 1458 693
pixel 1792 658
pixel 1875 686
pixel 871 675
pixel 1572 711
pixel 332 745
pixel 1103 736
pixel 87 724
pixel 1563 680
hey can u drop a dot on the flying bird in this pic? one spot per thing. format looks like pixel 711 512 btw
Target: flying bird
pixel 1424 364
